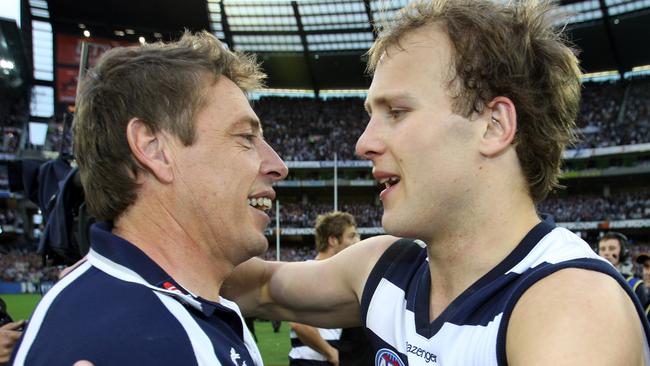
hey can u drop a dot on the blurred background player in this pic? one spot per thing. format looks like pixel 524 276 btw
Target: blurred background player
pixel 334 232
pixel 613 246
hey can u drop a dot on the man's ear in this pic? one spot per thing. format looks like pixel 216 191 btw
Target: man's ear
pixel 500 127
pixel 150 149
pixel 332 242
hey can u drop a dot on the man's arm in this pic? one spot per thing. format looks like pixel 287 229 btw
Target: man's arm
pixel 575 317
pixel 311 337
pixel 322 293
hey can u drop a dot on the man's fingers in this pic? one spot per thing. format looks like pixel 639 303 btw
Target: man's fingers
pixel 14 335
pixel 13 325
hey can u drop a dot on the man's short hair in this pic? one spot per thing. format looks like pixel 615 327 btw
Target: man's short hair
pixel 622 240
pixel 161 84
pixel 514 49
pixel 331 224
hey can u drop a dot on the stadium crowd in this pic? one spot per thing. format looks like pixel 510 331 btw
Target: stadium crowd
pixel 304 215
pixel 608 119
pixel 580 208
pixel 575 208
pixel 23 265
pixel 306 129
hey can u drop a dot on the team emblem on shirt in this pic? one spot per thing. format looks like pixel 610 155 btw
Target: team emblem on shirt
pixel 386 357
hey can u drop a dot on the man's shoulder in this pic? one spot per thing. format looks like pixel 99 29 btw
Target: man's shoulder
pixel 92 291
pixel 572 310
pixel 97 315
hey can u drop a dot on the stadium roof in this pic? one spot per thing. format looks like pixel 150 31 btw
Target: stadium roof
pixel 318 44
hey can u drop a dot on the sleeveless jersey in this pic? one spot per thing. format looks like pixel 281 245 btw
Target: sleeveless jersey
pixel 472 329
pixel 302 355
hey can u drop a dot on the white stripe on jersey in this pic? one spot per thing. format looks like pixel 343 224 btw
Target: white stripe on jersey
pixel 557 246
pixel 203 349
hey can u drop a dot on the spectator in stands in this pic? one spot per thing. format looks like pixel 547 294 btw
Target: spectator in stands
pixel 472 104
pixel 643 259
pixel 613 246
pixel 334 231
pixel 175 168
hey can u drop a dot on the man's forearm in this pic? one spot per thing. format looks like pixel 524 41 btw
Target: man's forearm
pixel 310 337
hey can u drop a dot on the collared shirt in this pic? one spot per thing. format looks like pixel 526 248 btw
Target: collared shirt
pixel 121 308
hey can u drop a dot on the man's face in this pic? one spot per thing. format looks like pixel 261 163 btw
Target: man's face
pixel 225 177
pixel 349 237
pixel 424 154
pixel 610 249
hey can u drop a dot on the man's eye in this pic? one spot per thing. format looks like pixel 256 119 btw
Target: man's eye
pixel 396 113
pixel 247 136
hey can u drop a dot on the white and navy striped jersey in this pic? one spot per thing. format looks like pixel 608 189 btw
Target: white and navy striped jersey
pixel 472 329
pixel 121 308
pixel 302 355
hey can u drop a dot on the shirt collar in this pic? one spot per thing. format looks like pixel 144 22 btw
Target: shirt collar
pixel 123 253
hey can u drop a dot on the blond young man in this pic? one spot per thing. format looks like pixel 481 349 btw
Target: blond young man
pixel 472 104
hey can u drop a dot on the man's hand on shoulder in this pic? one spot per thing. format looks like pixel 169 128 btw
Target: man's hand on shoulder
pixel 575 317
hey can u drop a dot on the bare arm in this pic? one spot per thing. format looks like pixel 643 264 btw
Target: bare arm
pixel 312 338
pixel 575 317
pixel 322 293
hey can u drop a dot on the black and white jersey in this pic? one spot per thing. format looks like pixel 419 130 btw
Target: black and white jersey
pixel 472 329
pixel 303 355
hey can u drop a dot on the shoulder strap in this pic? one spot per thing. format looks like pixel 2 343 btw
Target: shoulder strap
pixel 402 253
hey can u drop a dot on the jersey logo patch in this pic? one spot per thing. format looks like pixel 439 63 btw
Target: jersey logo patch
pixel 386 357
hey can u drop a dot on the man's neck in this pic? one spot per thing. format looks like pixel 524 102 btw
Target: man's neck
pixel 460 257
pixel 187 259
pixel 324 255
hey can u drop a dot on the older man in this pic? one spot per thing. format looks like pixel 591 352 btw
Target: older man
pixel 173 161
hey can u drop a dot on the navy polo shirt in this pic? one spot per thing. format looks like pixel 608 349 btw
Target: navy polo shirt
pixel 121 308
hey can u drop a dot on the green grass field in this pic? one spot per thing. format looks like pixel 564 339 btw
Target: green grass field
pixel 273 346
